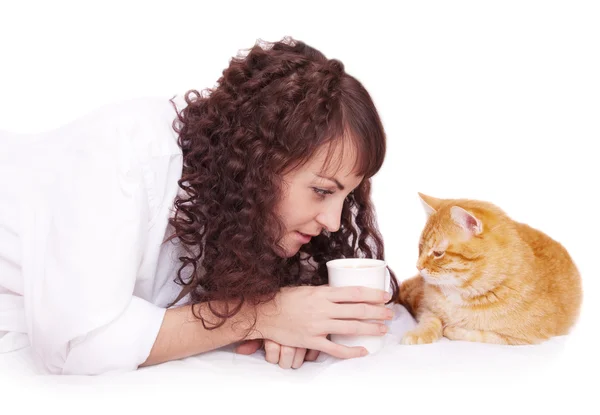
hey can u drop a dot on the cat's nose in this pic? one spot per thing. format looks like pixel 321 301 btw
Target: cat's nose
pixel 422 270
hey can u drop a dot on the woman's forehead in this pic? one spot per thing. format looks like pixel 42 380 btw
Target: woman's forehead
pixel 337 158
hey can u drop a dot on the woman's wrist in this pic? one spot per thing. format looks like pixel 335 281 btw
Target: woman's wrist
pixel 264 314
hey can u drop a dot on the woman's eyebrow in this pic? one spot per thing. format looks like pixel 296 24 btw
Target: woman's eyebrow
pixel 333 179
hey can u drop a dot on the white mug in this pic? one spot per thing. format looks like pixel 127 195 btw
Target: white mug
pixel 365 272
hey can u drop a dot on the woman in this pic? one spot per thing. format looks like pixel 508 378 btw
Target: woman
pixel 144 232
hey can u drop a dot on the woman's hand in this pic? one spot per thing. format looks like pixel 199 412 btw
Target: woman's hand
pixel 287 357
pixel 302 317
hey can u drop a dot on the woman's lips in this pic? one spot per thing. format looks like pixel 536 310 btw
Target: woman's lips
pixel 304 238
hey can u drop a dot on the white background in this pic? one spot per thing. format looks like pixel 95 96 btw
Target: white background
pixel 498 101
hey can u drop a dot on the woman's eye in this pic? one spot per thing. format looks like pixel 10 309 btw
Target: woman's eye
pixel 438 254
pixel 322 192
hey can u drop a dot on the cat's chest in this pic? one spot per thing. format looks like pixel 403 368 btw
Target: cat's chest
pixel 451 297
pixel 455 310
pixel 443 299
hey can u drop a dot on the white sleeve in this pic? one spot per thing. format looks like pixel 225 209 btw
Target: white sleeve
pixel 83 245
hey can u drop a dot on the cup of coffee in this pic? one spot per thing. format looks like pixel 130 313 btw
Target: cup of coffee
pixel 365 272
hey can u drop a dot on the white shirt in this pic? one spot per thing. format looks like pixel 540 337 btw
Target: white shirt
pixel 84 275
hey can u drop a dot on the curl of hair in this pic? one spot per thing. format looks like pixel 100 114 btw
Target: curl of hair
pixel 271 110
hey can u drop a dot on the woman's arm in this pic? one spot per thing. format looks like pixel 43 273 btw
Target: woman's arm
pixel 298 317
pixel 182 334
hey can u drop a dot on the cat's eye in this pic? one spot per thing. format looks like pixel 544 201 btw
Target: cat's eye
pixel 438 254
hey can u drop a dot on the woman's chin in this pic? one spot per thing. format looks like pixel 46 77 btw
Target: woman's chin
pixel 287 251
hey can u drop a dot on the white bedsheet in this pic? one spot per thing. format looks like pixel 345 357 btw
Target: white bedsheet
pixel 478 378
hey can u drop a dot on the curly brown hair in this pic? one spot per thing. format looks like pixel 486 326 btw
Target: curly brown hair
pixel 272 109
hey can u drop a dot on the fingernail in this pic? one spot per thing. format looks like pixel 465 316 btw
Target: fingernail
pixel 387 297
pixel 384 329
pixel 364 352
pixel 390 315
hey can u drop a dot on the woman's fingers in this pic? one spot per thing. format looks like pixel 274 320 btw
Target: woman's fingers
pixel 248 347
pixel 339 351
pixel 286 357
pixel 361 312
pixel 356 328
pixel 299 358
pixel 311 355
pixel 272 351
pixel 357 295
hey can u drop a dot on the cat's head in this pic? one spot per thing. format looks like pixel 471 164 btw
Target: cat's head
pixel 458 240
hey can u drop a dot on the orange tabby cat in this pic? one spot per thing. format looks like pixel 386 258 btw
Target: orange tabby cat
pixel 486 278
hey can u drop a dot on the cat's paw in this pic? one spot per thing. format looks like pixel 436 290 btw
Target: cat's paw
pixel 455 333
pixel 480 336
pixel 419 337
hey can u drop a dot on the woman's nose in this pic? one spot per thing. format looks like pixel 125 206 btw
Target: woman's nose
pixel 330 219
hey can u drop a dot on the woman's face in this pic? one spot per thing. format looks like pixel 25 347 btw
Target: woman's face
pixel 313 197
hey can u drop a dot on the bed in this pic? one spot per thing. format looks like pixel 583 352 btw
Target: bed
pixel 447 375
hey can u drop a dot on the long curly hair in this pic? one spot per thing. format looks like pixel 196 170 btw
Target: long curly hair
pixel 272 109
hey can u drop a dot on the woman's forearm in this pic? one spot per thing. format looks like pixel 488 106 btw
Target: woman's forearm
pixel 182 334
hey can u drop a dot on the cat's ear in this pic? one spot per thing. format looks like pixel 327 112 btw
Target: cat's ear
pixel 466 220
pixel 430 204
